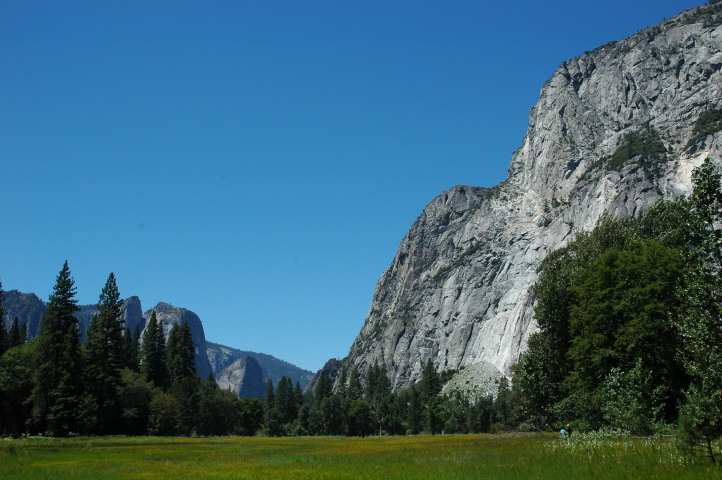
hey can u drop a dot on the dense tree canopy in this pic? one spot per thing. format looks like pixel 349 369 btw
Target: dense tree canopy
pixel 630 326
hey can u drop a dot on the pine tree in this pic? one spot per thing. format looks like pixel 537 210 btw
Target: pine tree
pixel 103 353
pixel 378 394
pixel 180 353
pixel 271 414
pixel 355 389
pixel 130 350
pixel 17 334
pixel 152 354
pixel 430 389
pixel 3 332
pixel 3 339
pixel 57 392
pixel 185 385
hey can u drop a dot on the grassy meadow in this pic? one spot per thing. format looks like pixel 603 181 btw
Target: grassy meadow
pixel 420 457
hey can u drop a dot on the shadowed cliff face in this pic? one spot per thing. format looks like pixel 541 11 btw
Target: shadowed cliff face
pixel 459 291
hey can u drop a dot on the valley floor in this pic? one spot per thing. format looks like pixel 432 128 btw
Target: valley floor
pixel 418 457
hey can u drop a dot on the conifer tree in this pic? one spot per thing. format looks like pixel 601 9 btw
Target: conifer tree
pixel 185 385
pixel 430 389
pixel 57 390
pixel 180 353
pixel 3 339
pixel 355 389
pixel 17 334
pixel 378 394
pixel 271 414
pixel 3 332
pixel 131 350
pixel 103 354
pixel 152 354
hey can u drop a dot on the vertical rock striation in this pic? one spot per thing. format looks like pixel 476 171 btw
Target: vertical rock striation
pixel 459 290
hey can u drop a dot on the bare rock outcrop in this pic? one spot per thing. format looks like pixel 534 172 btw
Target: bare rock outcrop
pixel 459 290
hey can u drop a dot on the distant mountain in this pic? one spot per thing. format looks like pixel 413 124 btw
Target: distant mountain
pixel 27 307
pixel 222 357
pixel 242 372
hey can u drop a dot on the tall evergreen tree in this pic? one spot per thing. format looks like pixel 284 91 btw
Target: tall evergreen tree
pixel 185 385
pixel 355 389
pixel 152 353
pixel 430 390
pixel 378 394
pixel 57 392
pixel 131 351
pixel 3 332
pixel 271 414
pixel 180 353
pixel 17 334
pixel 103 354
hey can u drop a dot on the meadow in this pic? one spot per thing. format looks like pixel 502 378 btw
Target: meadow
pixel 418 457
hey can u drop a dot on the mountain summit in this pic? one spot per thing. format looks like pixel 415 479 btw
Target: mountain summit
pixel 614 130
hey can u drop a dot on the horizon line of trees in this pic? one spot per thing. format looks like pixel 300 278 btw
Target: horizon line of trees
pixel 110 383
pixel 630 338
pixel 114 384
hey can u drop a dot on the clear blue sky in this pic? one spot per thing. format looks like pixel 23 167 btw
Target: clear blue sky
pixel 258 162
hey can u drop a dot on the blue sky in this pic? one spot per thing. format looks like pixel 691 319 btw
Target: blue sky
pixel 258 162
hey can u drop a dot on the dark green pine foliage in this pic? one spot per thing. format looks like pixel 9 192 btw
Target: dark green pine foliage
pixel 104 359
pixel 218 410
pixel 3 332
pixel 378 395
pixel 433 417
pixel 16 387
pixel 152 354
pixel 56 396
pixel 184 382
pixel 3 339
pixel 17 334
pixel 624 314
pixel 180 353
pixel 316 421
pixel 285 401
pixel 131 350
pixel 700 422
pixel 272 425
pixel 355 390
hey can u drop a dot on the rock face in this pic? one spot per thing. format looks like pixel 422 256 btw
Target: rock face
pixel 244 377
pixel 168 315
pixel 27 307
pixel 133 315
pixel 234 371
pixel 459 290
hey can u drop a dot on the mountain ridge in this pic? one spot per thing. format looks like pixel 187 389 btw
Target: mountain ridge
pixel 29 309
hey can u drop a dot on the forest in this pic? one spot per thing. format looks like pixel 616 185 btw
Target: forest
pixel 630 339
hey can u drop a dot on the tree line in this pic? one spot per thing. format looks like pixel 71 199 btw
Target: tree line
pixel 630 338
pixel 114 384
pixel 110 383
pixel 363 405
pixel 630 325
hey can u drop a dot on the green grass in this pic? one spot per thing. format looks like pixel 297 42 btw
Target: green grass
pixel 421 457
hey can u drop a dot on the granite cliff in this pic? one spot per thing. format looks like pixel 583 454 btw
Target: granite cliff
pixel 614 130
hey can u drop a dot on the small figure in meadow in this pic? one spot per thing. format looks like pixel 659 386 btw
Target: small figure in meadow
pixel 568 428
pixel 563 433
